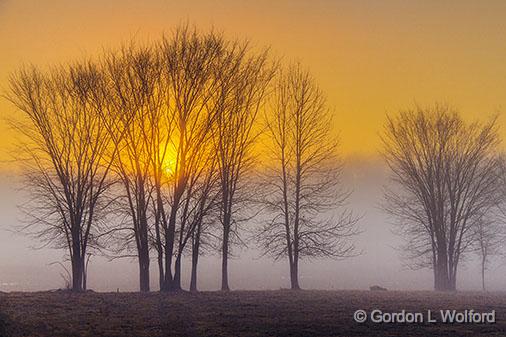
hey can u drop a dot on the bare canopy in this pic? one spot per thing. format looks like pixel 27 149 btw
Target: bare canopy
pixel 68 157
pixel 445 175
pixel 303 183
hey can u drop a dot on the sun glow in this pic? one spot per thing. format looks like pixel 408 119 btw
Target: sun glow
pixel 169 156
pixel 169 166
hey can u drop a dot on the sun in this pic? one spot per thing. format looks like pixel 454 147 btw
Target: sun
pixel 169 161
pixel 169 166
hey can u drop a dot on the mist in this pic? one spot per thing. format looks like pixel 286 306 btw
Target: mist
pixel 26 266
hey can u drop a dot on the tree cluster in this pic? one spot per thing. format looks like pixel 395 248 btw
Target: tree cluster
pixel 148 152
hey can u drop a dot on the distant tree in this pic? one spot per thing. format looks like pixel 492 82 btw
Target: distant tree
pixel 489 231
pixel 69 153
pixel 488 243
pixel 243 80
pixel 445 178
pixel 303 187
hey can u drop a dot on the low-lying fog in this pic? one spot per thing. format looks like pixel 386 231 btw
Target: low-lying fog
pixel 25 269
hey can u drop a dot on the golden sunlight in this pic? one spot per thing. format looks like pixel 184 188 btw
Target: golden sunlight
pixel 169 155
pixel 169 166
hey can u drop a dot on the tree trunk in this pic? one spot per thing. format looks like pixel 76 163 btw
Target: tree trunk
pixel 224 259
pixel 143 248
pixel 77 274
pixel 294 278
pixel 77 265
pixel 453 280
pixel 169 247
pixel 434 267
pixel 294 274
pixel 85 272
pixel 176 282
pixel 443 281
pixel 144 270
pixel 159 247
pixel 483 273
pixel 161 274
pixel 195 260
pixel 193 281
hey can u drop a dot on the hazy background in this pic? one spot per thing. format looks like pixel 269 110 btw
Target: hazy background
pixel 22 268
pixel 369 57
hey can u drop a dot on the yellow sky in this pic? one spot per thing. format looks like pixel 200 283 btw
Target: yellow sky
pixel 370 57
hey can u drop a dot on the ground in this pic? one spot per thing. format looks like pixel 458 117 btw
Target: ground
pixel 238 313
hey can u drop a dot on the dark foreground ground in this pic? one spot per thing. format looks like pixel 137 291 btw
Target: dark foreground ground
pixel 239 313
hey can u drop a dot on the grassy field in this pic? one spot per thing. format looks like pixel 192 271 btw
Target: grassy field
pixel 238 313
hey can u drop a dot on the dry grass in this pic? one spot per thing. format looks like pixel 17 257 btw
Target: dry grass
pixel 239 313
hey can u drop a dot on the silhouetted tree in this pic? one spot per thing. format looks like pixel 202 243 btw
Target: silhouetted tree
pixel 141 131
pixel 69 156
pixel 199 209
pixel 203 238
pixel 488 242
pixel 445 176
pixel 303 187
pixel 191 60
pixel 243 81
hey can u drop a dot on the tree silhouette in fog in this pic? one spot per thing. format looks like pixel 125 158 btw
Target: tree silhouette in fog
pixel 166 129
pixel 140 130
pixel 68 152
pixel 445 175
pixel 243 87
pixel 303 191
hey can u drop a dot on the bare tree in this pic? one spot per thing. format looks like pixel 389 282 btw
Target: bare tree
pixel 190 62
pixel 488 243
pixel 445 176
pixel 69 150
pixel 203 238
pixel 489 232
pixel 141 131
pixel 304 177
pixel 198 211
pixel 243 82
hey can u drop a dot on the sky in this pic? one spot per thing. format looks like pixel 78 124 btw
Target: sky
pixel 369 57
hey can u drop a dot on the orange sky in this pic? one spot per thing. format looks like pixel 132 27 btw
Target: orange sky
pixel 370 57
